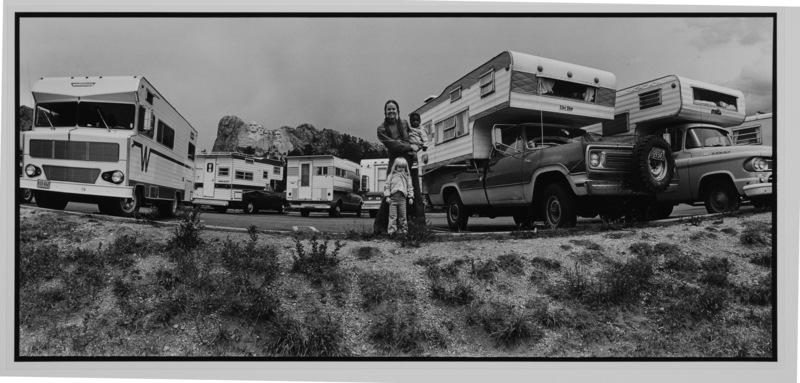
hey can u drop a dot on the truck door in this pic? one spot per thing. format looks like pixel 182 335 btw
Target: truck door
pixel 304 186
pixel 503 180
pixel 209 177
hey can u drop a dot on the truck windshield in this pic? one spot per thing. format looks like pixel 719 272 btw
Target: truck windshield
pixel 85 114
pixel 546 136
pixel 706 137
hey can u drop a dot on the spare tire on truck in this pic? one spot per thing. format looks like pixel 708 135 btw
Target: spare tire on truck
pixel 653 165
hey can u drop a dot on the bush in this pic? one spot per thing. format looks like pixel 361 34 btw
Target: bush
pixel 692 303
pixel 484 270
pixel 507 324
pixel 550 264
pixel 681 262
pixel 624 282
pixel 577 282
pixel 762 259
pixel 187 234
pixel 319 334
pixel 458 292
pixel 419 232
pixel 318 260
pixel 382 286
pixel 758 293
pixel 367 252
pixel 756 235
pixel 511 263
pixel 715 271
pixel 642 248
pixel 397 327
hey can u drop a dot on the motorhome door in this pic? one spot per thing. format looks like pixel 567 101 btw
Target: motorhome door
pixel 381 177
pixel 304 186
pixel 209 176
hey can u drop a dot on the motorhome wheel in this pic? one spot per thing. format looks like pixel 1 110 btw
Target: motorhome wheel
pixel 127 207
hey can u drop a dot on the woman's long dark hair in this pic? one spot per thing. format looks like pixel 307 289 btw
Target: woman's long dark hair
pixel 398 120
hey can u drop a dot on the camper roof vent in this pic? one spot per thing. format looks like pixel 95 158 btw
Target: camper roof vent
pixel 429 99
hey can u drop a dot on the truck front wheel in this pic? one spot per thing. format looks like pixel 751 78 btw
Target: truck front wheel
pixel 720 198
pixel 336 210
pixel 250 207
pixel 558 207
pixel 457 214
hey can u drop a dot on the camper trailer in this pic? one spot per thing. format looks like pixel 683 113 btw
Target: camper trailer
pixel 323 183
pixel 113 141
pixel 373 178
pixel 227 180
pixel 506 140
pixel 755 130
pixel 693 116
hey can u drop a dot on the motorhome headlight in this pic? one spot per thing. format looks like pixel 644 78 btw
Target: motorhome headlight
pixel 114 176
pixel 756 164
pixel 32 170
pixel 594 159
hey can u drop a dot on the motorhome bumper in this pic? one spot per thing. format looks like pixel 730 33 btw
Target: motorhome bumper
pixel 295 206
pixel 371 205
pixel 209 202
pixel 76 188
pixel 757 190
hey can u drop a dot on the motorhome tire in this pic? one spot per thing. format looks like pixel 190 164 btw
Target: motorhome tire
pixel 457 213
pixel 50 200
pixel 653 164
pixel 169 209
pixel 558 207
pixel 721 198
pixel 26 195
pixel 336 210
pixel 128 207
pixel 304 213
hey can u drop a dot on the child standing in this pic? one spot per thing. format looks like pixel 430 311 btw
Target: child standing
pixel 416 136
pixel 396 190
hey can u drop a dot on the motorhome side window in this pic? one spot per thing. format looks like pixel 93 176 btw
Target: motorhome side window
pixel 650 99
pixel 265 174
pixel 455 94
pixel 141 125
pixel 276 170
pixel 223 172
pixel 452 127
pixel 85 114
pixel 191 151
pixel 165 135
pixel 241 175
pixel 566 89
pixel 322 170
pixel 714 99
pixel 487 83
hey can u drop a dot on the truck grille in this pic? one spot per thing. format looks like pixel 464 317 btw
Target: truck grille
pixel 618 161
pixel 63 173
pixel 75 150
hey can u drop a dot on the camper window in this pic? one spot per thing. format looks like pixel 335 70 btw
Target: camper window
pixel 191 151
pixel 714 99
pixel 455 94
pixel 487 83
pixel 165 135
pixel 265 174
pixel 322 171
pixel 145 129
pixel 276 170
pixel 428 126
pixel 223 172
pixel 747 136
pixel 650 99
pixel 452 127
pixel 566 89
pixel 241 175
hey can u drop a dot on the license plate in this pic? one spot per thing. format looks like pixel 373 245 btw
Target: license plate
pixel 657 154
pixel 43 184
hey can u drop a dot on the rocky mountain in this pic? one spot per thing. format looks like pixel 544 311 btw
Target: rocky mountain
pixel 234 135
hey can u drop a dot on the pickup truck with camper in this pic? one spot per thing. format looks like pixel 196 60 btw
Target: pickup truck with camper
pixel 323 183
pixel 693 116
pixel 229 180
pixel 110 140
pixel 506 140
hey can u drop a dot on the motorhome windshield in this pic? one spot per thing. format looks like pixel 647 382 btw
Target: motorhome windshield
pixel 85 114
pixel 566 89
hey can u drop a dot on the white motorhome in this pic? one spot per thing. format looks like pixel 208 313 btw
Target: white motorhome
pixel 114 141
pixel 323 183
pixel 755 130
pixel 373 178
pixel 223 180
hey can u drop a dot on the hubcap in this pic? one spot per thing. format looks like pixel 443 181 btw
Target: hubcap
pixel 453 212
pixel 720 199
pixel 554 210
pixel 658 169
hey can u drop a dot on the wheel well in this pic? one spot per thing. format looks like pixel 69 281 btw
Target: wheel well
pixel 447 192
pixel 546 179
pixel 711 180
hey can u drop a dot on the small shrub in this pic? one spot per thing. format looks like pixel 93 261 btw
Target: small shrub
pixel 729 231
pixel 550 264
pixel 382 286
pixel 450 270
pixel 666 249
pixel 511 263
pixel 166 279
pixel 458 292
pixel 589 245
pixel 577 282
pixel 484 270
pixel 715 271
pixel 318 260
pixel 397 327
pixel 624 282
pixel 419 231
pixel 762 259
pixel 38 262
pixel 641 248
pixel 754 236
pixel 692 303
pixel 319 334
pixel 566 247
pixel 507 324
pixel 186 235
pixel 120 288
pixel 681 262
pixel 367 252
pixel 758 293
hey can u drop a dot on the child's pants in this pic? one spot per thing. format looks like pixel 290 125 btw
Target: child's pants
pixel 397 213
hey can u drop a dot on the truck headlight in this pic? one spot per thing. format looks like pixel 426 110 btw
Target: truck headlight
pixel 594 160
pixel 32 171
pixel 756 164
pixel 114 176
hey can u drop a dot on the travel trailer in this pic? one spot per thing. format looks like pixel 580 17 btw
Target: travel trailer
pixel 323 183
pixel 755 130
pixel 506 140
pixel 693 116
pixel 113 141
pixel 373 178
pixel 227 180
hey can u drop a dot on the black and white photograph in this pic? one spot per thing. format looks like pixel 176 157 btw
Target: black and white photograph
pixel 453 186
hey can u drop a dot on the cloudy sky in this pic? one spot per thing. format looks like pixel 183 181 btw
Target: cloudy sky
pixel 337 72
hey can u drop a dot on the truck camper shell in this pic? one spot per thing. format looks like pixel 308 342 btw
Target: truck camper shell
pixel 673 99
pixel 323 183
pixel 513 87
pixel 223 177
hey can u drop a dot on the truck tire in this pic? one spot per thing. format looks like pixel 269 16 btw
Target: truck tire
pixel 720 198
pixel 558 207
pixel 336 210
pixel 457 213
pixel 26 195
pixel 653 165
pixel 249 207
pixel 50 200
pixel 128 207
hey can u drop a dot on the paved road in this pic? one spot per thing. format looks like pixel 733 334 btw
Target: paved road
pixel 322 223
